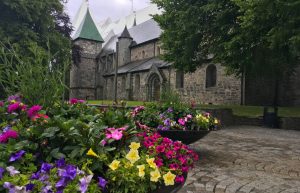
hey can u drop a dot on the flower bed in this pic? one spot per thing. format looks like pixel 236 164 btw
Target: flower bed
pixel 72 147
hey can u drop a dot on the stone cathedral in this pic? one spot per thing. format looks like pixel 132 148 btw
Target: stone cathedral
pixel 124 56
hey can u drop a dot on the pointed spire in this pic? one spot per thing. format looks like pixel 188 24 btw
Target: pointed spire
pixel 125 33
pixel 87 29
pixel 134 21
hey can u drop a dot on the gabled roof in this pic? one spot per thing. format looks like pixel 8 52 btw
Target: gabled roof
pixel 144 32
pixel 125 34
pixel 88 30
pixel 140 65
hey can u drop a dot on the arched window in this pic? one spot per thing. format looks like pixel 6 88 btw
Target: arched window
pixel 123 84
pixel 179 79
pixel 211 76
pixel 137 83
pixel 154 87
pixel 143 54
pixel 158 51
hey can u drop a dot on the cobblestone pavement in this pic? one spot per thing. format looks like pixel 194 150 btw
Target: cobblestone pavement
pixel 246 159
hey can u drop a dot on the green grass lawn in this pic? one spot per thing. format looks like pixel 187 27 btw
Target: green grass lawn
pixel 248 111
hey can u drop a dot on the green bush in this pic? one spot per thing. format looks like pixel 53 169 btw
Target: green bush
pixel 34 78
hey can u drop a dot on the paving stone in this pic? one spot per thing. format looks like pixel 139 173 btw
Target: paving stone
pixel 210 186
pixel 221 187
pixel 246 159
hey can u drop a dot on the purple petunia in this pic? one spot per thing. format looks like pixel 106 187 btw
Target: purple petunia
pixel 102 182
pixel 46 167
pixel 16 98
pixel 2 170
pixel 170 110
pixel 62 183
pixel 47 189
pixel 84 183
pixel 35 176
pixel 16 156
pixel 12 171
pixel 60 163
pixel 69 172
pixel 29 187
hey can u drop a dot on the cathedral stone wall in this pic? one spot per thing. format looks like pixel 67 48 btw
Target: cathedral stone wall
pixel 143 51
pixel 83 75
pixel 226 91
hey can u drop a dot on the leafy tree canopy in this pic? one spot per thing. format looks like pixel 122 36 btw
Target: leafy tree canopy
pixel 259 36
pixel 42 23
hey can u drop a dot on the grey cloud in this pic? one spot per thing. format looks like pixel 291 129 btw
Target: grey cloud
pixel 102 9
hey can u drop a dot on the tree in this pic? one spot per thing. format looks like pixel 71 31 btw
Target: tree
pixel 42 22
pixel 258 36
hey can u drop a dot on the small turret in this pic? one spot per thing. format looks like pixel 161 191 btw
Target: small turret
pixel 124 43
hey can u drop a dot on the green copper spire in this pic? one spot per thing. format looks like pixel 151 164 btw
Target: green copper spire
pixel 88 30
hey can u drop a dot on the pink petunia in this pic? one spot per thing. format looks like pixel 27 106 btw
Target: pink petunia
pixel 159 162
pixel 1 103
pixel 74 101
pixel 10 134
pixel 169 154
pixel 13 107
pixel 181 122
pixel 33 111
pixel 179 179
pixel 117 135
pixel 160 149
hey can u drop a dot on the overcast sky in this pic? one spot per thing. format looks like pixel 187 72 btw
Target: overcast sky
pixel 102 9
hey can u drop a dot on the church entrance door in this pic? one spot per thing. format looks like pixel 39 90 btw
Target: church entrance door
pixel 154 88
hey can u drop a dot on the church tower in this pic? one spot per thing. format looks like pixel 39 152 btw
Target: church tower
pixel 123 47
pixel 87 44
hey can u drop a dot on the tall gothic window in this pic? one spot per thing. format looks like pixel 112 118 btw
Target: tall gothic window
pixel 158 51
pixel 123 83
pixel 211 76
pixel 137 83
pixel 179 79
pixel 143 54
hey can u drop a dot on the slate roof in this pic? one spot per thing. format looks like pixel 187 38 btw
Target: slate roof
pixel 141 33
pixel 88 29
pixel 141 65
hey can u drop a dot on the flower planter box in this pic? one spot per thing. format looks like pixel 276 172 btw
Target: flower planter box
pixel 186 137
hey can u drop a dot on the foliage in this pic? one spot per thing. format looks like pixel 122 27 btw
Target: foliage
pixel 94 145
pixel 34 78
pixel 177 118
pixel 37 22
pixel 42 23
pixel 252 34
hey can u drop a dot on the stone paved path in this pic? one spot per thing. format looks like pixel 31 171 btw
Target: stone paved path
pixel 246 159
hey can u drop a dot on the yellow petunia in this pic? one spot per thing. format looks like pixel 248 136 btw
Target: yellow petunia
pixel 216 121
pixel 92 153
pixel 133 156
pixel 114 165
pixel 151 163
pixel 141 170
pixel 155 175
pixel 169 179
pixel 135 146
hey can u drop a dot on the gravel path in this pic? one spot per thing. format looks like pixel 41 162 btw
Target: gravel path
pixel 246 159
